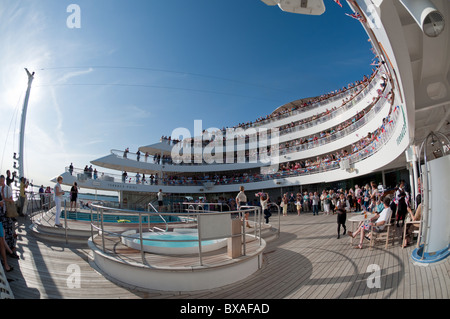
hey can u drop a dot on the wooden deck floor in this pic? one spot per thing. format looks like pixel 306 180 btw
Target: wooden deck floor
pixel 305 262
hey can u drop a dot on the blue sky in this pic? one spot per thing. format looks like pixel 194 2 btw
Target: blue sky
pixel 138 69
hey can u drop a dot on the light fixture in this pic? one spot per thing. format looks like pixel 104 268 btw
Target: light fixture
pixel 429 19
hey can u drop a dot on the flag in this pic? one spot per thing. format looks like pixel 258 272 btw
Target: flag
pixel 338 2
pixel 356 15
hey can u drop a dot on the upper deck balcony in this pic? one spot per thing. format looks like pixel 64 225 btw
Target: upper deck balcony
pixel 386 146
pixel 296 148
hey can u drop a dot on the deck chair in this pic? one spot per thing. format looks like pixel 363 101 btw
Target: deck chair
pixel 385 234
pixel 415 231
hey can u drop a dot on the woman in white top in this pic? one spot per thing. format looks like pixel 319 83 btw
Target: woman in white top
pixel 58 199
pixel 241 200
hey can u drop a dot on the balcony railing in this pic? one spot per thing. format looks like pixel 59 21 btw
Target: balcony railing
pixel 378 142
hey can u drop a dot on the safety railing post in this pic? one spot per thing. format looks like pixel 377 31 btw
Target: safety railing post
pixel 244 241
pixel 141 238
pixel 65 220
pixel 92 228
pixel 102 229
pixel 199 240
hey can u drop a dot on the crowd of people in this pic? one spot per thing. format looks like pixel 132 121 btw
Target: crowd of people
pixel 365 146
pixel 297 144
pixel 386 205
pixel 16 203
pixel 8 235
pixel 372 197
pixel 305 104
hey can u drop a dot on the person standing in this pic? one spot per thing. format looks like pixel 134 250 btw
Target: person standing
pixel 315 204
pixel 322 200
pixel 8 224
pixel 327 203
pixel 6 266
pixel 22 196
pixel 264 199
pixel 58 199
pixel 358 198
pixel 402 209
pixel 73 196
pixel 241 200
pixel 42 196
pixel 9 180
pixel 305 202
pixel 160 199
pixel 298 203
pixel 342 207
pixel 285 202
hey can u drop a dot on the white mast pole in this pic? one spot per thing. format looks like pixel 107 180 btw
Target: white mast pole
pixel 22 124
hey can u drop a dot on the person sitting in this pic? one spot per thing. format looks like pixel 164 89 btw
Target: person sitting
pixel 376 223
pixel 410 228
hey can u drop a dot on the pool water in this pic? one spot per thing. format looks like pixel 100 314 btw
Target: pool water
pixel 107 218
pixel 168 243
pixel 194 243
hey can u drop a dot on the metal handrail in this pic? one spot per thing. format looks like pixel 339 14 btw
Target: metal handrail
pixel 191 204
pixel 101 228
pixel 165 222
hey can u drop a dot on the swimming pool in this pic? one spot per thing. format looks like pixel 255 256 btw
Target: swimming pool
pixel 114 218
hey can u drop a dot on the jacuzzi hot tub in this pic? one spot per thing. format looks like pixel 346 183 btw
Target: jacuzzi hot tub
pixel 177 242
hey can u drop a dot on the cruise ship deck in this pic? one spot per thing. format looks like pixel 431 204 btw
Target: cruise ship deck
pixel 305 262
pixel 324 146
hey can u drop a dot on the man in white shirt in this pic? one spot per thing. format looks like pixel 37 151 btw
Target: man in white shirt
pixel 241 200
pixel 160 199
pixel 376 223
pixel 380 189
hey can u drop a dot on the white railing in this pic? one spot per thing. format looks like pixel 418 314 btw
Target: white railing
pixel 192 215
pixel 356 157
pixel 306 146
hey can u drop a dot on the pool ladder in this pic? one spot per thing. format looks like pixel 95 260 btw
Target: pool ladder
pixel 152 229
